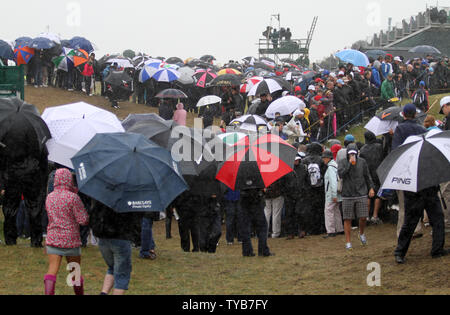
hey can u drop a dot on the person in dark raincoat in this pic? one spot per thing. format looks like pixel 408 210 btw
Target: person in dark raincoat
pixel 188 222
pixel 166 110
pixel 25 171
pixel 208 116
pixel 313 197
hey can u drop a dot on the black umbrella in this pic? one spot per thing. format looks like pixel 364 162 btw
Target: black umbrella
pixel 421 162
pixel 118 78
pixel 174 60
pixel 6 51
pixel 375 53
pixel 226 80
pixel 207 58
pixel 133 119
pixel 285 84
pixel 425 49
pixel 172 93
pixel 22 129
pixel 396 113
pixel 155 130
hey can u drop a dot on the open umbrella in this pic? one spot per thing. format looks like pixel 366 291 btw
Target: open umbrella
pixel 23 55
pixel 425 49
pixel 146 73
pixel 80 57
pixel 65 60
pixel 21 128
pixel 421 162
pixel 72 126
pixel 285 106
pixel 82 43
pixel 229 71
pixel 128 173
pixel 354 57
pixel 6 51
pixel 204 77
pixel 380 127
pixel 42 43
pixel 253 123
pixel 139 60
pixel 207 58
pixel 257 164
pixel 267 86
pixel 231 138
pixel 53 37
pixel 155 130
pixel 186 75
pixel 268 62
pixel 375 53
pixel 208 100
pixel 133 119
pixel 23 41
pixel 122 62
pixel 171 93
pixel 226 80
pixel 396 113
pixel 166 75
pixel 174 60
pixel 118 78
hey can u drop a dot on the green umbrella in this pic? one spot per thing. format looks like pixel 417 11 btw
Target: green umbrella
pixel 65 60
pixel 231 138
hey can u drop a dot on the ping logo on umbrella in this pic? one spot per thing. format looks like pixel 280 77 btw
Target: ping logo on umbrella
pixel 82 172
pixel 404 181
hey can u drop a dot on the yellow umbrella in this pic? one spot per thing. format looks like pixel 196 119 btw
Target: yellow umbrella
pixel 229 71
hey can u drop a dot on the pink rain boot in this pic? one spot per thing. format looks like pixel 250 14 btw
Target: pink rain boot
pixel 79 290
pixel 49 284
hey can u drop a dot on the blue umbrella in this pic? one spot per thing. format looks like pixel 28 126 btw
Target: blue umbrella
pixel 354 57
pixel 81 43
pixel 23 41
pixel 166 75
pixel 6 50
pixel 42 43
pixel 128 173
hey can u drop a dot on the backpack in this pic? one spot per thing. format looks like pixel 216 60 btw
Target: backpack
pixel 419 97
pixel 315 177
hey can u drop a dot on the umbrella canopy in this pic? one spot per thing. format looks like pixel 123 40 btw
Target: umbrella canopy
pixel 128 173
pixel 258 164
pixel 147 73
pixel 204 77
pixel 250 83
pixel 154 63
pixel 268 62
pixel 396 113
pixel 81 43
pixel 133 119
pixel 139 60
pixel 166 75
pixel 65 60
pixel 226 80
pixel 155 130
pixel 72 126
pixel 421 162
pixel 208 100
pixel 174 60
pixel 229 71
pixel 171 93
pixel 267 86
pixel 380 127
pixel 285 106
pixel 253 123
pixel 122 62
pixel 249 60
pixel 42 43
pixel 23 55
pixel 129 54
pixel 186 75
pixel 425 49
pixel 22 129
pixel 23 41
pixel 375 53
pixel 207 58
pixel 231 138
pixel 354 57
pixel 118 78
pixel 6 51
pixel 53 37
pixel 81 57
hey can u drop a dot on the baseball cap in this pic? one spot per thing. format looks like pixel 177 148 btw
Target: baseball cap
pixel 298 112
pixel 410 109
pixel 397 58
pixel 300 156
pixel 444 101
pixel 311 88
pixel 327 154
pixel 341 73
pixel 340 81
pixel 352 149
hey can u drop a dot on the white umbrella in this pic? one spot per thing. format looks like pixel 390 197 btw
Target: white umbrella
pixel 267 86
pixel 53 37
pixel 208 100
pixel 73 126
pixel 285 106
pixel 122 63
pixel 380 127
pixel 186 75
pixel 252 123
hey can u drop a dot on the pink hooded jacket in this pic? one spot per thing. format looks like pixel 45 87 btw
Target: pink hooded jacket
pixel 180 115
pixel 65 212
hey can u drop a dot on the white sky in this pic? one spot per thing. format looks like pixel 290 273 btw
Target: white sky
pixel 226 29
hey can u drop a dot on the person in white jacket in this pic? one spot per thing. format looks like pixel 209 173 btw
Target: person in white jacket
pixel 333 218
pixel 294 129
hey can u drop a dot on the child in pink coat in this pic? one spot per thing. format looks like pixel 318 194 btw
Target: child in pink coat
pixel 180 115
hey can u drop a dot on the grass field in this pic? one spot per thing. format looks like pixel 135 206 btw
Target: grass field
pixel 309 266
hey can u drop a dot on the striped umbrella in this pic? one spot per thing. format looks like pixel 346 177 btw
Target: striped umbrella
pixel 81 57
pixel 65 60
pixel 166 75
pixel 267 86
pixel 23 55
pixel 253 123
pixel 147 73
pixel 154 63
pixel 204 77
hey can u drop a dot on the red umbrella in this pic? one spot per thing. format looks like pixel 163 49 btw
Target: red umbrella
pixel 204 77
pixel 23 55
pixel 257 165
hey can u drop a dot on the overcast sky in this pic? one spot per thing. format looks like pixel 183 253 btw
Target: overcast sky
pixel 226 29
